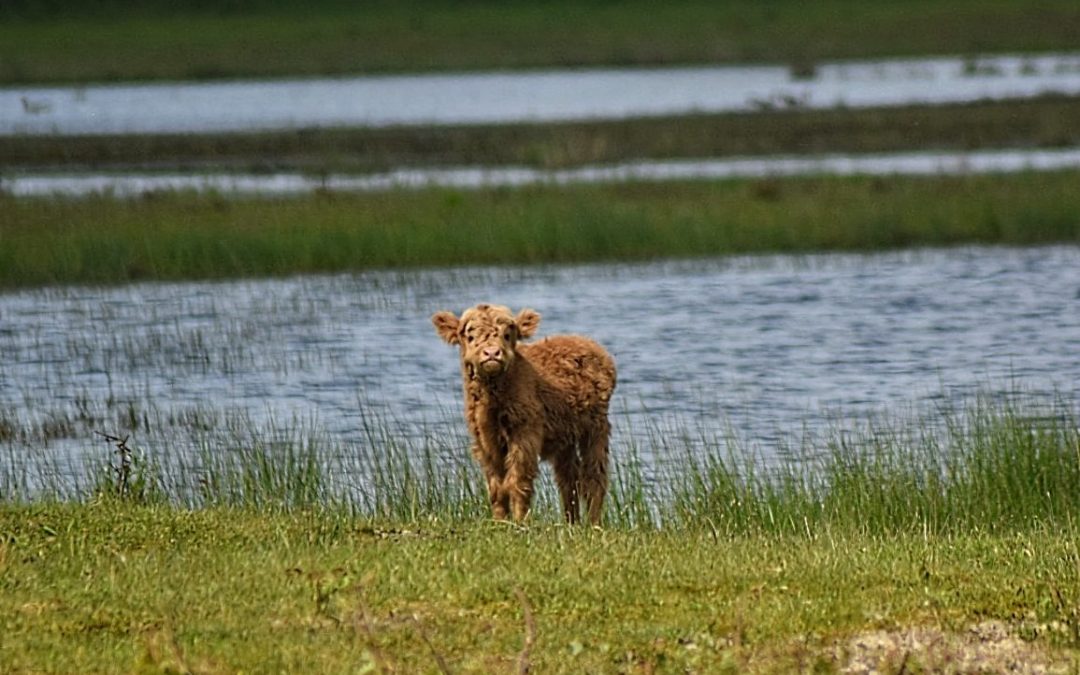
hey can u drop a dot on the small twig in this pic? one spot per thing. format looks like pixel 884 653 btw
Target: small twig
pixel 123 471
pixel 903 663
pixel 361 621
pixel 439 660
pixel 530 632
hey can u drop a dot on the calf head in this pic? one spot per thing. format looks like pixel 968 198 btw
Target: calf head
pixel 487 336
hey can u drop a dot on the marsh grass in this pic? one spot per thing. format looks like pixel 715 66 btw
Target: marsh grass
pixel 996 466
pixel 73 42
pixel 1043 122
pixel 281 471
pixel 408 482
pixel 192 236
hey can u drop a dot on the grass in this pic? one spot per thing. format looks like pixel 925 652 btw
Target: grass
pixel 1001 465
pixel 1043 122
pixel 188 236
pixel 109 587
pixel 920 530
pixel 70 42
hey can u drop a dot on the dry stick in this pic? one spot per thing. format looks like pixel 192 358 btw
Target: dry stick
pixel 123 471
pixel 164 650
pixel 439 660
pixel 530 632
pixel 360 620
pixel 903 664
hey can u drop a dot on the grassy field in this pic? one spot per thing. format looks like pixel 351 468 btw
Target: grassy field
pixel 107 587
pixel 189 236
pixel 913 550
pixel 78 42
pixel 1044 122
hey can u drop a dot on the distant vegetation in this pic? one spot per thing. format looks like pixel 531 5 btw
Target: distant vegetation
pixel 1049 121
pixel 191 236
pixel 65 41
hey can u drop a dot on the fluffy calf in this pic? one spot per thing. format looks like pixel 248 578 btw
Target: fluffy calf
pixel 526 402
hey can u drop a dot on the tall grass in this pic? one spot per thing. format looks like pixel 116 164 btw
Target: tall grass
pixel 185 236
pixel 995 466
pixel 406 481
pixel 273 473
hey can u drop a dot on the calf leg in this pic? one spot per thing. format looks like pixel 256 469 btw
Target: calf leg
pixel 566 464
pixel 497 494
pixel 594 470
pixel 522 465
pixel 495 476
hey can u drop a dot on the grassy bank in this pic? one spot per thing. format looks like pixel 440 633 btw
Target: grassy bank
pixel 1044 122
pixel 72 42
pixel 105 587
pixel 185 236
pixel 908 550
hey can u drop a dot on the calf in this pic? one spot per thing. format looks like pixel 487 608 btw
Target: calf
pixel 526 402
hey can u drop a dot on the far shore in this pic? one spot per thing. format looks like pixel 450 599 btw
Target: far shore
pixel 1046 122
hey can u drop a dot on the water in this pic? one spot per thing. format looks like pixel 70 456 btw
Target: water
pixel 497 97
pixel 767 348
pixel 906 163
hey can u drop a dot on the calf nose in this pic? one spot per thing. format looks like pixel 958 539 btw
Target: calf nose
pixel 492 352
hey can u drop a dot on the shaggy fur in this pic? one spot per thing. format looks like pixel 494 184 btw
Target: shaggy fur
pixel 527 402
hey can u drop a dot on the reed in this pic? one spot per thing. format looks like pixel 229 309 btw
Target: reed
pixel 407 482
pixel 187 236
pixel 272 471
pixel 996 466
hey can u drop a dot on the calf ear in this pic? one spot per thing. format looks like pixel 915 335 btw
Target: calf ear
pixel 446 325
pixel 527 322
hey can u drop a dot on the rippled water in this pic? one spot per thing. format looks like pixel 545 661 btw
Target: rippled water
pixel 480 98
pixel 906 163
pixel 764 347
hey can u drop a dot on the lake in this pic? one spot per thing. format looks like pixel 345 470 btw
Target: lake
pixel 768 349
pixel 530 96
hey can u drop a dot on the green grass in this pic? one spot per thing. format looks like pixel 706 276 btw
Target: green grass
pixel 999 466
pixel 1043 122
pixel 996 468
pixel 188 236
pixel 107 587
pixel 68 42
pixel 924 527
